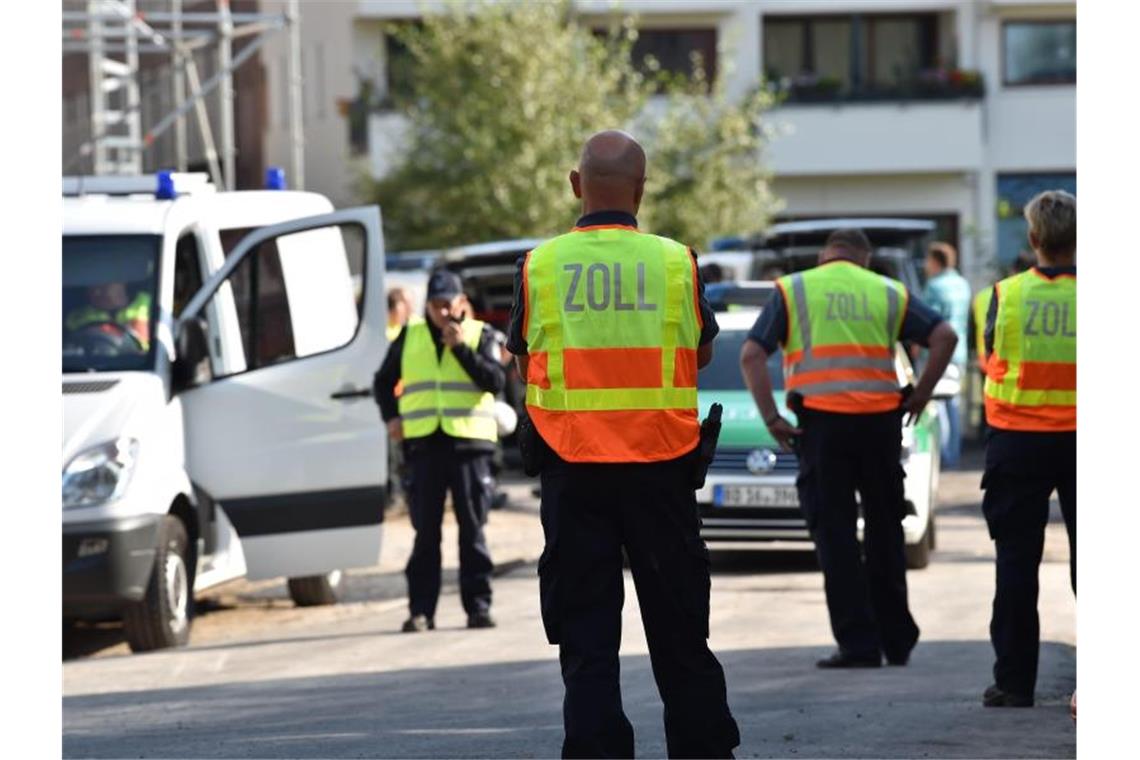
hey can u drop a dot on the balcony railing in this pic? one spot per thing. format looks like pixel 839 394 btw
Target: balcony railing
pixel 932 85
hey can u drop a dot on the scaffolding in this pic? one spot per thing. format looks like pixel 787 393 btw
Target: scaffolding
pixel 115 33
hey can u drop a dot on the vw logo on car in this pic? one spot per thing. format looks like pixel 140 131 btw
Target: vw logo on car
pixel 761 460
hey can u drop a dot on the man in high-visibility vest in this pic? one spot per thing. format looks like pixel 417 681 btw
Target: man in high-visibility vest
pixel 1031 451
pixel 838 324
pixel 449 368
pixel 610 326
pixel 110 309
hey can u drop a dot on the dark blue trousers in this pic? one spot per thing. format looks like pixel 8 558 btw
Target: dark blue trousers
pixel 591 513
pixel 437 469
pixel 1022 472
pixel 866 591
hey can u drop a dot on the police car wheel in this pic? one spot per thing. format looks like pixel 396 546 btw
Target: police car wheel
pixel 161 619
pixel 316 590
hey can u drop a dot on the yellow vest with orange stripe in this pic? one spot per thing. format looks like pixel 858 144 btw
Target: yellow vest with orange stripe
pixel 843 322
pixel 1031 376
pixel 612 327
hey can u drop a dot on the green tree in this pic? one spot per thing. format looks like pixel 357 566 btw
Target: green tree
pixel 706 173
pixel 504 93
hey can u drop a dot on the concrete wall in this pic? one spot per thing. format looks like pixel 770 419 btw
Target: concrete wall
pixel 881 138
pixel 327 67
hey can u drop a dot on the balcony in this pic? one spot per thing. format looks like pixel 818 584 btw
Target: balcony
pixel 864 134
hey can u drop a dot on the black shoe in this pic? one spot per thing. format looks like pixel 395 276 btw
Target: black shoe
pixel 480 620
pixel 499 500
pixel 842 660
pixel 995 696
pixel 418 624
pixel 898 661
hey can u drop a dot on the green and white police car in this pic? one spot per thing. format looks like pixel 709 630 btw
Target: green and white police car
pixel 749 498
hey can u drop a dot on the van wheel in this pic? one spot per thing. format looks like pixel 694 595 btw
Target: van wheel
pixel 316 590
pixel 918 555
pixel 161 619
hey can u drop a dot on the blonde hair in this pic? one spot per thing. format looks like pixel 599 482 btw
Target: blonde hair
pixel 1052 217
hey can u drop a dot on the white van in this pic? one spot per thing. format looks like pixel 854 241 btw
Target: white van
pixel 218 419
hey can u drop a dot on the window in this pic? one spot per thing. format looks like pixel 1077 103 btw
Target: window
pixel 296 295
pixel 400 66
pixel 723 372
pixel 856 54
pixel 673 50
pixel 1013 192
pixel 1039 52
pixel 187 272
pixel 109 294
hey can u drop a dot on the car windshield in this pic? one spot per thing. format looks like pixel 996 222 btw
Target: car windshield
pixel 108 302
pixel 723 372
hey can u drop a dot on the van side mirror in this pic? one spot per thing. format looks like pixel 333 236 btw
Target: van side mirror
pixel 192 355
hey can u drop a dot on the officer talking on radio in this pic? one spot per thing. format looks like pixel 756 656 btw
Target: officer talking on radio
pixel 449 370
pixel 837 325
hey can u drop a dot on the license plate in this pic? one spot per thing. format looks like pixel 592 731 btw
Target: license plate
pixel 755 496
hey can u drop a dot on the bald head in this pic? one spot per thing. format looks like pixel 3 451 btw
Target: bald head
pixel 610 174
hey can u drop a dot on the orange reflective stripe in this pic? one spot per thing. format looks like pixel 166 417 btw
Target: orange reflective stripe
pixel 611 367
pixel 1038 419
pixel 624 435
pixel 685 368
pixel 536 373
pixel 838 375
pixel 1047 376
pixel 854 402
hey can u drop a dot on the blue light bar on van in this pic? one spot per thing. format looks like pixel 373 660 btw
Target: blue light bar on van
pixel 275 178
pixel 165 190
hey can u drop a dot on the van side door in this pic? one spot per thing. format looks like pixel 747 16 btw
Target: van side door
pixel 289 443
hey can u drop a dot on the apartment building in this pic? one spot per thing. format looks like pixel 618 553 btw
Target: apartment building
pixel 957 110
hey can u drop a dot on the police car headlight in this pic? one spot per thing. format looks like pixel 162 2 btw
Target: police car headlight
pixel 99 474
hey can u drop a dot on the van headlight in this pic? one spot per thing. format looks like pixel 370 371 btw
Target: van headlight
pixel 99 474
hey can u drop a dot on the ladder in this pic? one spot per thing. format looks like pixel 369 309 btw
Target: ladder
pixel 114 33
pixel 116 123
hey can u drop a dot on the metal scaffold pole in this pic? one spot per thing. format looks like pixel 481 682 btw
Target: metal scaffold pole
pixel 226 92
pixel 113 34
pixel 178 83
pixel 296 92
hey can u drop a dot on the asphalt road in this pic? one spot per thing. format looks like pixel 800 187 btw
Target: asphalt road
pixel 263 679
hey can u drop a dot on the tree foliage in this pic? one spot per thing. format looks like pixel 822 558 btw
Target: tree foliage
pixel 504 93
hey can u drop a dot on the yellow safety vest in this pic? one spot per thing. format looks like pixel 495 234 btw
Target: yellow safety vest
pixel 137 310
pixel 1031 376
pixel 612 328
pixel 438 392
pixel 843 323
pixel 392 332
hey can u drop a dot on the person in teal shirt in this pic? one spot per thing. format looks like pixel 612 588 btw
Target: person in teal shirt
pixel 948 293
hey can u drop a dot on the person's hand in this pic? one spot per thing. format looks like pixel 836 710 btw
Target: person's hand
pixel 452 334
pixel 914 405
pixel 783 431
pixel 396 429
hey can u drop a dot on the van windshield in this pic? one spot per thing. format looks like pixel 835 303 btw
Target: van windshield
pixel 109 302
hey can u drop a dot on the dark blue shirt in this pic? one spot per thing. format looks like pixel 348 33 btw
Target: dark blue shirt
pixel 516 332
pixel 771 328
pixel 991 313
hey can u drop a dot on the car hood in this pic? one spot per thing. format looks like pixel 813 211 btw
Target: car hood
pixel 100 407
pixel 741 425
